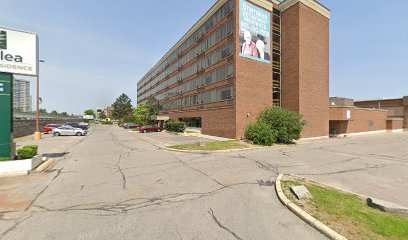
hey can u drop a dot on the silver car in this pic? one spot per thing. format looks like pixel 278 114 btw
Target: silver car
pixel 69 131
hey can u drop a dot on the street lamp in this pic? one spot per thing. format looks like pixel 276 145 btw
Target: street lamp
pixel 37 134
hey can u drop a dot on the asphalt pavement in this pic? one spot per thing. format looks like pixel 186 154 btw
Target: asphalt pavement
pixel 116 184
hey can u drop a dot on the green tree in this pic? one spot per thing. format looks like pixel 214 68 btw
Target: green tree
pixel 142 114
pixel 102 115
pixel 65 114
pixel 54 113
pixel 154 106
pixel 121 107
pixel 89 112
pixel 43 110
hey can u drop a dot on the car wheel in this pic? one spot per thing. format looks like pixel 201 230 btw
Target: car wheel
pixel 158 130
pixel 79 134
pixel 144 131
pixel 57 134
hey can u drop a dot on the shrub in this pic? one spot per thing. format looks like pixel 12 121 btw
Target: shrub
pixel 107 123
pixel 261 134
pixel 27 152
pixel 176 126
pixel 288 125
pixel 34 147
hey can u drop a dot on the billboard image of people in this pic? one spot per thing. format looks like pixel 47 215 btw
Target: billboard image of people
pixel 255 32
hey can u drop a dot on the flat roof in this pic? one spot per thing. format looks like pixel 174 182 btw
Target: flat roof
pixel 378 99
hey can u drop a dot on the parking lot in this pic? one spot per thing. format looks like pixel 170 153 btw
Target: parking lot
pixel 114 177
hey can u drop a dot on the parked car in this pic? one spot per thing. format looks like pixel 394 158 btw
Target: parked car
pixel 67 130
pixel 96 121
pixel 83 126
pixel 132 125
pixel 146 129
pixel 50 127
pixel 124 125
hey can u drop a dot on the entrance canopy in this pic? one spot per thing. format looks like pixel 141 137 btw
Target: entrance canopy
pixel 160 118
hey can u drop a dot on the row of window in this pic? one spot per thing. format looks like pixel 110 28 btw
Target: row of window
pixel 209 60
pixel 191 55
pixel 214 20
pixel 216 95
pixel 220 74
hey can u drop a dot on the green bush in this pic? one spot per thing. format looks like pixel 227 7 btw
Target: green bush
pixel 27 152
pixel 288 125
pixel 176 126
pixel 34 147
pixel 275 125
pixel 261 134
pixel 107 123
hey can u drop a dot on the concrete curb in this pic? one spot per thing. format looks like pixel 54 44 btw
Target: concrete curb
pixel 45 165
pixel 217 151
pixel 328 232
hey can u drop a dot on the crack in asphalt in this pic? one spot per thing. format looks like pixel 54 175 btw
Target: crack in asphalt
pixel 370 155
pixel 343 161
pixel 117 165
pixel 344 171
pixel 211 212
pixel 199 171
pixel 140 203
pixel 21 220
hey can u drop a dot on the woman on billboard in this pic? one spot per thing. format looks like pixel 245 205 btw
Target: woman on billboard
pixel 260 45
pixel 249 47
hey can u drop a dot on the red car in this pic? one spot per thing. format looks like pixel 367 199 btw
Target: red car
pixel 132 126
pixel 50 127
pixel 146 129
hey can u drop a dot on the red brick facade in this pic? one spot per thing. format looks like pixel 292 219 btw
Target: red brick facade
pixel 397 108
pixel 360 120
pixel 305 67
pixel 304 78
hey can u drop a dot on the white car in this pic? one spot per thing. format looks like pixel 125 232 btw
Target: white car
pixel 69 131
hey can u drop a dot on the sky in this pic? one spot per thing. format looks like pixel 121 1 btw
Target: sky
pixel 96 50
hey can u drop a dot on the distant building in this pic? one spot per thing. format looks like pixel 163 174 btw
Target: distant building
pixel 108 112
pixel 22 100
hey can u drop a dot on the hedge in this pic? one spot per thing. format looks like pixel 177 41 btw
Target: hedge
pixel 176 126
pixel 28 152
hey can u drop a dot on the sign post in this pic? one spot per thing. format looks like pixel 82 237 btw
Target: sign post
pixel 6 116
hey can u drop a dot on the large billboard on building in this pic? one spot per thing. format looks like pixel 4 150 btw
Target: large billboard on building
pixel 18 52
pixel 255 32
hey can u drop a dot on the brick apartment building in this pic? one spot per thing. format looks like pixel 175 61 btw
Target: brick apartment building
pixel 241 57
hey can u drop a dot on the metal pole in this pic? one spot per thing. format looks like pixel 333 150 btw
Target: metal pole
pixel 37 134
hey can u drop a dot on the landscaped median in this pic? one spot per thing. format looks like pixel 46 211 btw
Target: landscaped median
pixel 211 146
pixel 345 213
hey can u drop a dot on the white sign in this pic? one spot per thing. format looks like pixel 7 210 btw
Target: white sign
pixel 348 114
pixel 88 117
pixel 18 52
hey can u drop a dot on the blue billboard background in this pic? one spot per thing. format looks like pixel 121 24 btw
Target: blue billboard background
pixel 255 32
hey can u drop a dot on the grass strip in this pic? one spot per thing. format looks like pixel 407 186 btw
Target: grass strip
pixel 211 146
pixel 348 214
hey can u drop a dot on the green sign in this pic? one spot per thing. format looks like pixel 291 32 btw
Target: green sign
pixel 6 114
